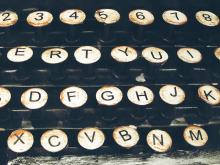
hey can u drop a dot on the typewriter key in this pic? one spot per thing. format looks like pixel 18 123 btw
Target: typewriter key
pixel 109 96
pixel 172 94
pixel 5 97
pixel 7 20
pixel 87 55
pixel 140 95
pixel 156 58
pixel 124 54
pixel 155 55
pixel 54 55
pixel 159 141
pixel 174 17
pixel 174 26
pixel 20 141
pixel 189 55
pixel 140 18
pixel 91 138
pixel 217 53
pixel 34 98
pixel 207 18
pixel 54 140
pixel 20 54
pixel 126 136
pixel 73 18
pixel 106 97
pixel 209 94
pixel 195 136
pixel 108 17
pixel 39 20
pixel 73 97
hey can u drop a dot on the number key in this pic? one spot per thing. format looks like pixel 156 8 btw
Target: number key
pixel 207 18
pixel 141 17
pixel 72 16
pixel 107 16
pixel 8 18
pixel 174 17
pixel 39 18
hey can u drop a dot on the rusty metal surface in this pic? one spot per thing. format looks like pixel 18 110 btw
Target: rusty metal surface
pixel 208 157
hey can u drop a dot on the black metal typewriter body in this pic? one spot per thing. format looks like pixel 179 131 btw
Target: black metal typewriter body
pixel 193 111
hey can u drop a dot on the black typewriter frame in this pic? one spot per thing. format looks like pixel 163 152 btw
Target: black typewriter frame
pixel 124 36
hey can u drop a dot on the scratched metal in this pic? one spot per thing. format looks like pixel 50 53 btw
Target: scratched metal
pixel 210 157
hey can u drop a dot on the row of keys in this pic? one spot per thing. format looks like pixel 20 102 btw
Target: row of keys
pixel 92 138
pixel 121 54
pixel 75 97
pixel 108 16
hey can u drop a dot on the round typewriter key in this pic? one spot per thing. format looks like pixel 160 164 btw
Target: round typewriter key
pixel 8 18
pixel 155 58
pixel 91 138
pixel 155 55
pixel 159 141
pixel 5 97
pixel 72 17
pixel 87 54
pixel 124 54
pixel 73 97
pixel 209 94
pixel 39 18
pixel 189 55
pixel 141 17
pixel 107 16
pixel 207 18
pixel 126 136
pixel 34 98
pixel 217 53
pixel 7 21
pixel 54 55
pixel 140 95
pixel 172 94
pixel 195 136
pixel 54 140
pixel 174 24
pixel 174 17
pixel 20 54
pixel 109 96
pixel 20 141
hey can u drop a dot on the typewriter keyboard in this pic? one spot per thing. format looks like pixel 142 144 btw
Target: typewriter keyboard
pixel 93 76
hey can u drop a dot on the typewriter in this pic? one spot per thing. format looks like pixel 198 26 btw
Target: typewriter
pixel 96 77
